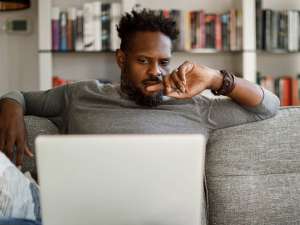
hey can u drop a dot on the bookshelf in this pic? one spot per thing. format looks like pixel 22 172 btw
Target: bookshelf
pixel 92 65
pixel 279 62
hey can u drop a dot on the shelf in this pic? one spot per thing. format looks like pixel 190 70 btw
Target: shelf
pixel 277 51
pixel 192 51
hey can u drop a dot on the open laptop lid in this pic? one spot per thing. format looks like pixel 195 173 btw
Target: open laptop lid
pixel 121 179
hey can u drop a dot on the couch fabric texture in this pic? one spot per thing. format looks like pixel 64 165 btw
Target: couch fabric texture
pixel 252 170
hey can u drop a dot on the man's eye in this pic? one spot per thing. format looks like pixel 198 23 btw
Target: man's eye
pixel 143 61
pixel 165 62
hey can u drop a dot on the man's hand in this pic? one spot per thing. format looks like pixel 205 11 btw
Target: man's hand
pixel 13 131
pixel 189 80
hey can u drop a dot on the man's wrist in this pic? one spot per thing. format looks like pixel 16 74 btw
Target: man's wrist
pixel 11 104
pixel 217 81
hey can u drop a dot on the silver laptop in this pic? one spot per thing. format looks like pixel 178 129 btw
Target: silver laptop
pixel 121 179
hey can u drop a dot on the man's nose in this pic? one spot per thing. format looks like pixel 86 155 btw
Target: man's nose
pixel 155 70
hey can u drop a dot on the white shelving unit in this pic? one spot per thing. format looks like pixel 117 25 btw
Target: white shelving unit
pixel 102 65
pixel 279 63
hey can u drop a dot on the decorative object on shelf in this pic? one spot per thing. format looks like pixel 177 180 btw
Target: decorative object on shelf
pixel 10 5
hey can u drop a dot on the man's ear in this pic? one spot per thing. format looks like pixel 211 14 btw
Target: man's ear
pixel 120 58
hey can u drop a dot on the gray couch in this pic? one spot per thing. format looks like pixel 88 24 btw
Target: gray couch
pixel 252 170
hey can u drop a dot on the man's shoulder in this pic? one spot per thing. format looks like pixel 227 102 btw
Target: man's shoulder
pixel 94 86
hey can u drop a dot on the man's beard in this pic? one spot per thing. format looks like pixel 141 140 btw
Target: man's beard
pixel 138 96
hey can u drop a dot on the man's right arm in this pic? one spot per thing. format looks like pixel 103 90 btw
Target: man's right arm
pixel 14 105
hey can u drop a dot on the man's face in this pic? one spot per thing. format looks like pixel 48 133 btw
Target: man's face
pixel 146 61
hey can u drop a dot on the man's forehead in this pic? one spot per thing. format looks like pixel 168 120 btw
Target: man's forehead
pixel 149 43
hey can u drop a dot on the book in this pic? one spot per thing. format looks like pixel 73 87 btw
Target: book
pixel 233 33
pixel 218 33
pixel 97 25
pixel 259 24
pixel 79 46
pixel 63 31
pixel 71 28
pixel 55 27
pixel 88 27
pixel 285 91
pixel 115 15
pixel 105 24
pixel 210 30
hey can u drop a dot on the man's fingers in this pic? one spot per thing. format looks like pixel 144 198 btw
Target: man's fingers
pixel 177 82
pixel 9 148
pixel 2 142
pixel 20 153
pixel 28 151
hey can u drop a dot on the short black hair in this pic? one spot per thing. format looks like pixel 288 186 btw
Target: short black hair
pixel 145 20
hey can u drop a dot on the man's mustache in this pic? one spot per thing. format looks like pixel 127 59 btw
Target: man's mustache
pixel 153 79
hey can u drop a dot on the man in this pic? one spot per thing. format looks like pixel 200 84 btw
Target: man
pixel 150 99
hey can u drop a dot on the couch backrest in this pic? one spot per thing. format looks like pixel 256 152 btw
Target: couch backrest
pixel 253 172
pixel 36 126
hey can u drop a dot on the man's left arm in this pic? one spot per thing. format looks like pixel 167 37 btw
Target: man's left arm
pixel 248 102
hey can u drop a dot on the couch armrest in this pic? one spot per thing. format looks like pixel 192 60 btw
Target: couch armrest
pixel 36 126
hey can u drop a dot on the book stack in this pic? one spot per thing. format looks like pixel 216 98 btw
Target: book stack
pixel 90 28
pixel 287 88
pixel 201 30
pixel 277 30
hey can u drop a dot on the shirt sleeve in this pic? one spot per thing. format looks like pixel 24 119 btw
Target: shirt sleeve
pixel 50 103
pixel 224 112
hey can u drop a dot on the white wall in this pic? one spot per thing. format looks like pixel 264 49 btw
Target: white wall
pixel 18 54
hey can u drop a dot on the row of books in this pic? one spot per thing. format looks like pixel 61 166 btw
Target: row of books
pixel 93 28
pixel 277 30
pixel 202 30
pixel 287 88
pixel 90 28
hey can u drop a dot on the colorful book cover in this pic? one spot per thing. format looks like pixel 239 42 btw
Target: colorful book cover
pixel 218 33
pixel 63 31
pixel 105 20
pixel 55 27
pixel 70 28
pixel 79 46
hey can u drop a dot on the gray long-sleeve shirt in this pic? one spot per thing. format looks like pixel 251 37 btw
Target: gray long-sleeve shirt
pixel 89 107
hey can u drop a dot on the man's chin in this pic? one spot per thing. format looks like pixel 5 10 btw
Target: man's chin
pixel 149 99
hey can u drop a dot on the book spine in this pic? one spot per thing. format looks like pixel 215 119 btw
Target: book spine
pixel 70 28
pixel 274 29
pixel 187 31
pixel 63 31
pixel 202 30
pixel 218 33
pixel 285 91
pixel 55 27
pixel 239 30
pixel 79 46
pixel 115 17
pixel 105 20
pixel 88 32
pixel 290 31
pixel 259 25
pixel 268 34
pixel 193 29
pixel 295 91
pixel 233 44
pixel 97 25
pixel 225 31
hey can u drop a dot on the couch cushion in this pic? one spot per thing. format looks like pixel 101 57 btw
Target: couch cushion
pixel 253 172
pixel 36 126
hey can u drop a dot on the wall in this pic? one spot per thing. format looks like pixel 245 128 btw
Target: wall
pixel 18 54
